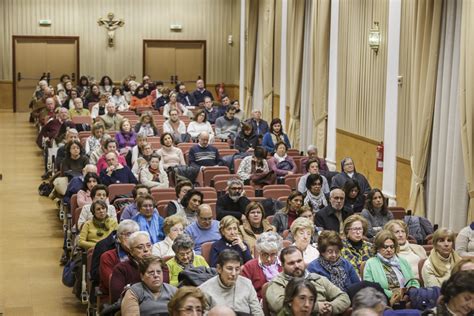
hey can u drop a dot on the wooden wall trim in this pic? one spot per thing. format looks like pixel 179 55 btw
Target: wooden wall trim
pixel 6 81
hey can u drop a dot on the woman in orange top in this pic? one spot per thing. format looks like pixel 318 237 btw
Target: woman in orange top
pixel 140 99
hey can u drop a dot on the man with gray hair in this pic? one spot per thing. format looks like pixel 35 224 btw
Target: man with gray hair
pixel 78 109
pixel 111 119
pixel 260 126
pixel 369 298
pixel 233 202
pixel 204 229
pixel 312 153
pixel 204 155
pixel 332 216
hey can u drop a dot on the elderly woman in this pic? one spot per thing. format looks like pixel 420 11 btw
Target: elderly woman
pixel 465 241
pixel 173 104
pixel 255 224
pixel 376 212
pixel 265 266
pixel 170 155
pixel 285 217
pixel 330 263
pixel 254 169
pixel 442 259
pixel 274 136
pixel 199 125
pixel 173 226
pixel 98 228
pixel 315 197
pixel 302 230
pixel 184 257
pixel 229 288
pixel 93 141
pixel 84 195
pixel 150 296
pixel 457 295
pixel 137 150
pixel 412 253
pixel 387 269
pixel 282 164
pixel 148 218
pixel 188 300
pixel 152 174
pixel 143 160
pixel 355 199
pixel 146 125
pixel 191 201
pixel 175 206
pixel 300 298
pixel 348 171
pixel 356 250
pixel 126 138
pixel 231 239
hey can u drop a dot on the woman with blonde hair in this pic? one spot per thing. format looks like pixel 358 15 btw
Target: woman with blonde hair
pixel 173 104
pixel 442 259
pixel 173 226
pixel 186 301
pixel 356 249
pixel 413 253
pixel 302 230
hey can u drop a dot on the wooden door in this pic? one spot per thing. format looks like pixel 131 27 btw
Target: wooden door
pixel 172 61
pixel 34 57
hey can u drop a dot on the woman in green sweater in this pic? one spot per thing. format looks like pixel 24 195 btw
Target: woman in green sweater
pixel 387 269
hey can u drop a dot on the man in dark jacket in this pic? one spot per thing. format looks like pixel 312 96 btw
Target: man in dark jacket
pixel 233 202
pixel 201 92
pixel 332 216
pixel 184 97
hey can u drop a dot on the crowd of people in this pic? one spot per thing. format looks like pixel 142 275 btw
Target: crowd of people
pixel 333 248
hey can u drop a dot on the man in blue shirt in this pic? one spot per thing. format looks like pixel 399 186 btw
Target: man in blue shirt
pixel 204 229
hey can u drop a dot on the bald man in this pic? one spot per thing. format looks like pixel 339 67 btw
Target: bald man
pixel 201 92
pixel 203 154
pixel 221 310
pixel 204 229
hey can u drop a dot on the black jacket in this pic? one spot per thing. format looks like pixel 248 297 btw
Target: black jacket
pixel 327 219
pixel 225 206
pixel 242 143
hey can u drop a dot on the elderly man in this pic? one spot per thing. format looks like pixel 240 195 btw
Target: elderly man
pixel 116 172
pixel 205 229
pixel 78 109
pixel 47 113
pixel 233 202
pixel 227 125
pixel 111 120
pixel 109 146
pixel 203 154
pixel 212 112
pixel 260 126
pixel 201 92
pixel 330 299
pixel 312 152
pixel 349 172
pixel 184 97
pixel 332 216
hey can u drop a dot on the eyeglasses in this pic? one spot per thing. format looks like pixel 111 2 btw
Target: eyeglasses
pixel 266 255
pixel 126 234
pixel 236 188
pixel 188 310
pixel 356 229
pixel 388 247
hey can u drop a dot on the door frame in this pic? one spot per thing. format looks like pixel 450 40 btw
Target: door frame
pixel 203 42
pixel 15 37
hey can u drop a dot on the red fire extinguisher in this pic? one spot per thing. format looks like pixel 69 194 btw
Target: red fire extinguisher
pixel 379 157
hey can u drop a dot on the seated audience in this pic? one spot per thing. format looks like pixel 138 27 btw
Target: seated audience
pixel 83 86
pixel 348 171
pixel 227 125
pixel 312 167
pixel 204 229
pixel 170 155
pixel 254 224
pixel 163 99
pixel 376 212
pixel 200 93
pixel 260 126
pixel 94 141
pixel 246 139
pixel 315 197
pixel 387 268
pixel 99 152
pixel 116 172
pixel 100 108
pixel 75 160
pixel 84 195
pixel 77 183
pixel 254 169
pixel 143 159
pixel 212 113
pixel 275 135
pixel 265 266
pixel 437 268
pixel 204 155
pixel 184 97
pixel 173 226
pixel 229 288
pixel 111 119
pixel 330 299
pixel 119 253
pixel 131 209
pixel 239 113
pixel 148 219
pixel 98 228
pixel 130 86
pixel 312 153
pixel 281 164
pixel 175 206
pixel 302 230
pixel 98 193
pixel 229 229
pixel 233 202
pixel 190 201
pixel 283 218
pixel 186 301
pixel 225 104
pixel 152 174
pixel 78 109
pixel 457 295
pixel 175 127
pixel 355 249
pixel 330 263
pixel 118 99
pixel 106 85
pixel 332 216
pixel 137 150
pixel 369 297
pixel 126 137
pixel 146 125
pixel 184 258
pixel 354 198
pixel 300 298
pixel 151 295
pixel 412 253
pixel 140 99
pixel 173 104
pixel 465 241
pixel 156 93
pixel 200 125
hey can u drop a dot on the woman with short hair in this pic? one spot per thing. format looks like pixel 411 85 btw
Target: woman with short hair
pixel 148 218
pixel 171 156
pixel 98 228
pixel 93 141
pixel 186 301
pixel 457 295
pixel 255 225
pixel 173 226
pixel 254 169
pixel 356 250
pixel 281 163
pixel 126 137
pixel 315 197
pixel 152 173
pixel 173 104
pixel 74 161
pixel 302 231
pixel 199 125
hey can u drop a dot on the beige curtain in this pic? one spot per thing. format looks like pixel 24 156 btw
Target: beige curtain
pixel 250 52
pixel 320 30
pixel 294 66
pixel 423 88
pixel 466 98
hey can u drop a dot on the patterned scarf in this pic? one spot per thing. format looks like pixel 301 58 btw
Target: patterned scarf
pixel 393 271
pixel 270 271
pixel 316 202
pixel 338 275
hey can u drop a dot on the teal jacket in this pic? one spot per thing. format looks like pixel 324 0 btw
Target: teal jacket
pixel 374 272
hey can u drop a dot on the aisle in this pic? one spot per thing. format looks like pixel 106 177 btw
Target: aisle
pixel 30 232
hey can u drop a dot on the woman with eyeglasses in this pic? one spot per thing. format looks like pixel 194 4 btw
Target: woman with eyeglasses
pixel 173 226
pixel 265 266
pixel 184 257
pixel 148 219
pixel 254 225
pixel 150 296
pixel 355 248
pixel 188 300
pixel 388 269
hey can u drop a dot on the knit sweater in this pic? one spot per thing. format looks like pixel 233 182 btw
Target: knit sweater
pixel 204 156
pixel 351 275
pixel 240 298
pixel 465 242
pixel 253 271
pixel 90 234
pixel 195 128
pixel 200 235
pixel 412 253
pixel 171 156
pixel 226 128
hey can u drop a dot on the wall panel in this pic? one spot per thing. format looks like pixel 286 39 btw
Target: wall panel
pixel 210 20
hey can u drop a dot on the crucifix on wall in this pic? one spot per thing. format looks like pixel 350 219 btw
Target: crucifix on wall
pixel 111 25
